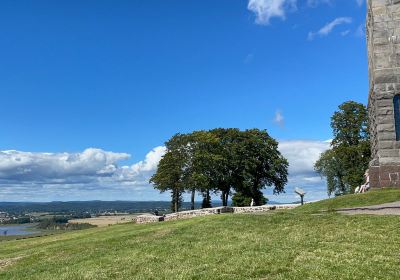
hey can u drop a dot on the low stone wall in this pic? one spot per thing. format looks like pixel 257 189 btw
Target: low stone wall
pixel 197 213
pixel 145 219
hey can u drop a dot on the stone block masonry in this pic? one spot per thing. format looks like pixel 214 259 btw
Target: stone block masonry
pixel 145 219
pixel 383 38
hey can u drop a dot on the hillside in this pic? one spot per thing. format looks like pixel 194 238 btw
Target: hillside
pixel 292 244
pixel 353 200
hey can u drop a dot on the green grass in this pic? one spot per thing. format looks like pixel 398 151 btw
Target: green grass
pixel 353 200
pixel 283 245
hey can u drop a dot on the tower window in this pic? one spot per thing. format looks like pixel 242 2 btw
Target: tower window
pixel 396 103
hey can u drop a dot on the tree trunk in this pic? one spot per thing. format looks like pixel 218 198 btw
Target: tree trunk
pixel 223 197
pixel 176 201
pixel 192 199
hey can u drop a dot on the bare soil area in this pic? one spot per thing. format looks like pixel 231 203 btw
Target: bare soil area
pixel 103 221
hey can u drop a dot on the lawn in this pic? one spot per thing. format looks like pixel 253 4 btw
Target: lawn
pixel 353 200
pixel 283 245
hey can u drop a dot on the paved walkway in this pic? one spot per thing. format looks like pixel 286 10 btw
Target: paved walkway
pixel 382 209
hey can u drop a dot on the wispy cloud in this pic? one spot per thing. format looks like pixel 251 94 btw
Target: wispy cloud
pixel 328 28
pixel 279 119
pixel 267 9
pixel 315 3
pixel 360 32
pixel 248 59
pixel 345 33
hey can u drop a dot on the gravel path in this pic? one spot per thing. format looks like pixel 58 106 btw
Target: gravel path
pixel 382 209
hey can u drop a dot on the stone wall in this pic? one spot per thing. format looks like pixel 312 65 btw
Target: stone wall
pixel 383 37
pixel 144 219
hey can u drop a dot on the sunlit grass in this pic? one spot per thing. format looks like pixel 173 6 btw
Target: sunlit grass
pixel 283 245
pixel 373 197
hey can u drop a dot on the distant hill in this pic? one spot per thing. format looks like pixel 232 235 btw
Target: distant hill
pixel 95 206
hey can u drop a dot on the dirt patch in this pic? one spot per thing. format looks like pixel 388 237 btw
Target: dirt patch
pixel 7 262
pixel 103 221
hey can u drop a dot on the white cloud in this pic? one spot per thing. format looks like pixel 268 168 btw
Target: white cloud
pixel 360 32
pixel 151 161
pixel 345 33
pixel 53 166
pixel 279 119
pixel 328 28
pixel 360 2
pixel 267 9
pixel 302 156
pixel 95 174
pixel 91 174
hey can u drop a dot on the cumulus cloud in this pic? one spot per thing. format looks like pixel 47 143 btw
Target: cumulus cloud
pixel 21 166
pixel 279 119
pixel 44 176
pixel 96 174
pixel 267 9
pixel 328 28
pixel 302 156
pixel 141 171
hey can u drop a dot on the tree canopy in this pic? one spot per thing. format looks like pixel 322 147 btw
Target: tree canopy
pixel 345 162
pixel 221 161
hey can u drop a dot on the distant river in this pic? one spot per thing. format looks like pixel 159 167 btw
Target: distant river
pixel 17 230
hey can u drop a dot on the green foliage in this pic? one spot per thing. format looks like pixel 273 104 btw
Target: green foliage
pixel 240 199
pixel 172 169
pixel 219 161
pixel 19 220
pixel 61 223
pixel 345 163
pixel 261 165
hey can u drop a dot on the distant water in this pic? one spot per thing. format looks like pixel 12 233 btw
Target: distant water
pixel 17 230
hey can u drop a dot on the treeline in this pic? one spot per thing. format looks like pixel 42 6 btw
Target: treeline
pixel 61 223
pixel 80 208
pixel 19 220
pixel 224 162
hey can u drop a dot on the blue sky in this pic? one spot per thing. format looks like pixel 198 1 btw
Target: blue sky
pixel 123 76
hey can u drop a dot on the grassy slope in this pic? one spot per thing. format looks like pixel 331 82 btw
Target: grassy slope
pixel 354 200
pixel 283 245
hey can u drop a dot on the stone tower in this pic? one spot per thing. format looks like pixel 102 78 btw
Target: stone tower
pixel 383 36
